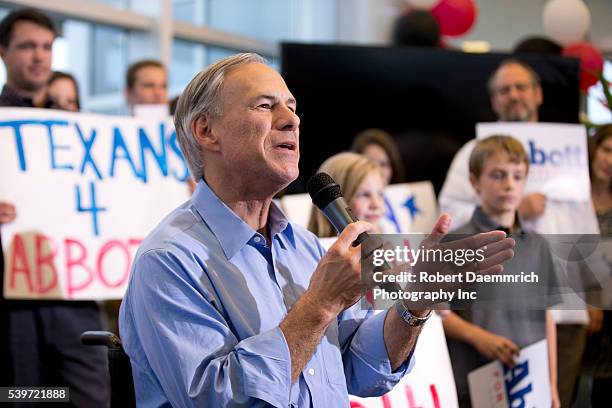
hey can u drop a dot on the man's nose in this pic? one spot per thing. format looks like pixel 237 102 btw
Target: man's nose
pixel 287 119
pixel 39 53
pixel 513 92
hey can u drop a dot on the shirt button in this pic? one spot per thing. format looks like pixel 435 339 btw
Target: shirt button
pixel 256 239
pixel 311 371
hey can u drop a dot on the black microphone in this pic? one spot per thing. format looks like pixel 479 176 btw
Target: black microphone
pixel 327 196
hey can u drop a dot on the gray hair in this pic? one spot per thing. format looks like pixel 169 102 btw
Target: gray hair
pixel 202 95
pixel 535 78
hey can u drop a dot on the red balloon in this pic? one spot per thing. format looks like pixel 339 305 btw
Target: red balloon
pixel 591 62
pixel 455 17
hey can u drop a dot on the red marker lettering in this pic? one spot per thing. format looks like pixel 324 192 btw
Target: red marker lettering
pixel 19 263
pixel 100 264
pixel 45 244
pixel 73 261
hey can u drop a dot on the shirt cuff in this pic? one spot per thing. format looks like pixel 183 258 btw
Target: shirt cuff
pixel 266 364
pixel 369 345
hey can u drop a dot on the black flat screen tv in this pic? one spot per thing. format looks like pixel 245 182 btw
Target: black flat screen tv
pixel 429 100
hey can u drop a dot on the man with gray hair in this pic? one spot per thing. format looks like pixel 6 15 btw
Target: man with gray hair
pixel 231 304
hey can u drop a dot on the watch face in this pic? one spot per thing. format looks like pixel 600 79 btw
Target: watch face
pixel 408 317
pixel 415 321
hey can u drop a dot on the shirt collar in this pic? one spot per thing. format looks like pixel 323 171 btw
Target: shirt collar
pixel 484 224
pixel 279 224
pixel 229 229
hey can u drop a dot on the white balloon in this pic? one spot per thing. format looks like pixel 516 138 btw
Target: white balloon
pixel 566 21
pixel 423 4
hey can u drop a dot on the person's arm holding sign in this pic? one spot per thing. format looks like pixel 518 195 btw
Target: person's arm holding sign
pixel 7 212
pixel 488 344
pixel 532 205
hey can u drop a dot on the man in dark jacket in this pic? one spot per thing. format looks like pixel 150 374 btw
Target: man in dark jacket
pixel 40 340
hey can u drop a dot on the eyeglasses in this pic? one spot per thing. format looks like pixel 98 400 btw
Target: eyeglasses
pixel 520 87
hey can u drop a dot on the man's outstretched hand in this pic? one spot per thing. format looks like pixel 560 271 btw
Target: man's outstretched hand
pixel 497 248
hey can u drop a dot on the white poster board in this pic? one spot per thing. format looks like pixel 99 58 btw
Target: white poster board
pixel 87 189
pixel 152 112
pixel 409 207
pixel 430 384
pixel 559 161
pixel 527 384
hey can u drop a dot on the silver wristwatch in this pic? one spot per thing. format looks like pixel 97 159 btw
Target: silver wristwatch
pixel 408 317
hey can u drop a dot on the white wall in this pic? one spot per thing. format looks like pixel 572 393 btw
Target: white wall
pixel 504 23
pixel 366 21
pixel 500 22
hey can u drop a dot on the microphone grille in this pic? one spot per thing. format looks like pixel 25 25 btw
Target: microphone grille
pixel 323 189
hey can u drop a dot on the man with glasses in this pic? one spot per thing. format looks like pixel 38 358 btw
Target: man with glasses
pixel 516 96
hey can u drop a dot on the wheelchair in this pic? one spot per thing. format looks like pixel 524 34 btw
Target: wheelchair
pixel 120 369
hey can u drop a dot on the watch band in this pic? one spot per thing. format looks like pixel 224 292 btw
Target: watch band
pixel 408 317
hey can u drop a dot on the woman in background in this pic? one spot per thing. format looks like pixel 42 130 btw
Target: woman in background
pixel 378 146
pixel 362 185
pixel 63 92
pixel 598 351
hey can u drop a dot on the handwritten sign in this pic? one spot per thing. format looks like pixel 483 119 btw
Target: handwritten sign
pixel 430 384
pixel 87 189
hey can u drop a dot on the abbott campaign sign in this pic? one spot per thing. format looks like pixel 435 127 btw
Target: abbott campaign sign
pixel 558 157
pixel 87 189
pixel 430 383
pixel 527 384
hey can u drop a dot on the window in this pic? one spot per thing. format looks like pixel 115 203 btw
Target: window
pixel 267 20
pixel 188 58
pixel 216 53
pixel 98 55
pixel 120 4
pixel 108 61
pixel 188 11
pixel 598 112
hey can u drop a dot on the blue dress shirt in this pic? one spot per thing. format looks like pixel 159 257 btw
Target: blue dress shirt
pixel 200 318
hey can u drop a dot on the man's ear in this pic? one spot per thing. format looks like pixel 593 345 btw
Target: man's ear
pixel 202 131
pixel 474 182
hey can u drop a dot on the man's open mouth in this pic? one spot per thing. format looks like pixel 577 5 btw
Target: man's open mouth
pixel 287 145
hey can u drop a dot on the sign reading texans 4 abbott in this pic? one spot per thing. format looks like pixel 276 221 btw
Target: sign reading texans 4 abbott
pixel 558 157
pixel 87 188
